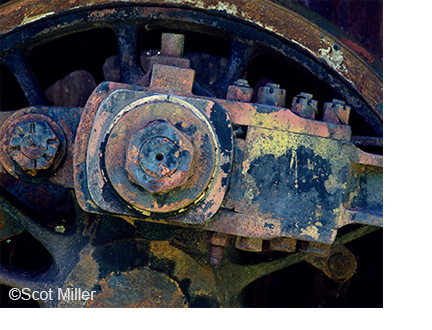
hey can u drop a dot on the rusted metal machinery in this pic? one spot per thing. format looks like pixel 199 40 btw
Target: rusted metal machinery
pixel 163 190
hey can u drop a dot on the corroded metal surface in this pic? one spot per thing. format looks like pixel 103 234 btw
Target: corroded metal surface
pixel 34 146
pixel 33 141
pixel 339 265
pixel 159 157
pixel 272 95
pixel 189 178
pixel 240 91
pixel 139 288
pixel 157 162
pixel 336 112
pixel 304 106
pixel 209 167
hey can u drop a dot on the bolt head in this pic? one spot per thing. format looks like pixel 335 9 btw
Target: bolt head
pixel 241 83
pixel 340 265
pixel 272 85
pixel 272 95
pixel 34 146
pixel 159 157
pixel 336 101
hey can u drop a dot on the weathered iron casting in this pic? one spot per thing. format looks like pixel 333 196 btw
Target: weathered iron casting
pixel 150 151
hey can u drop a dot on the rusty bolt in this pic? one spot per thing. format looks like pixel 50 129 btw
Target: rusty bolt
pixel 218 241
pixel 285 244
pixel 271 94
pixel 304 106
pixel 336 112
pixel 240 91
pixel 172 44
pixel 341 266
pixel 250 244
pixel 241 83
pixel 215 255
pixel 315 248
pixel 159 157
pixel 34 146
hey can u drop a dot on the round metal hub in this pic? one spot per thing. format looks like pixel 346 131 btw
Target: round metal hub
pixel 156 161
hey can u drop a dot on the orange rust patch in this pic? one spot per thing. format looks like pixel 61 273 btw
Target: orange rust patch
pixel 358 49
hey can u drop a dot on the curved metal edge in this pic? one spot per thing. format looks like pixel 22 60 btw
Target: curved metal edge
pixel 297 25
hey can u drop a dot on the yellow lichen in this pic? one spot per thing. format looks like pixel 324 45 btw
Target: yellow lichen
pixel 310 231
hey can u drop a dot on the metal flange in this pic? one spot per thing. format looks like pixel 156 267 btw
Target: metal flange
pixel 158 156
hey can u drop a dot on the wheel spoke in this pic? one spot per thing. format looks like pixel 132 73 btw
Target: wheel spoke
pixel 44 236
pixel 25 78
pixel 130 68
pixel 14 277
pixel 58 245
pixel 240 56
pixel 197 89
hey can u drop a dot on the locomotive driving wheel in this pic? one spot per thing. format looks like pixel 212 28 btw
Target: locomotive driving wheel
pixel 174 153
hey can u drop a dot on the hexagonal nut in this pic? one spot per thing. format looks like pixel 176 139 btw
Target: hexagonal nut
pixel 34 146
pixel 159 157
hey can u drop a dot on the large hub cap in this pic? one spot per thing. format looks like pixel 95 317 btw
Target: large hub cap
pixel 161 155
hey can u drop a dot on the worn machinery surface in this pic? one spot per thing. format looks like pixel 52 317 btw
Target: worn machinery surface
pixel 132 173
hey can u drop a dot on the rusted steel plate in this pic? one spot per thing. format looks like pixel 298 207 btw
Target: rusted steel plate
pixel 286 173
pixel 282 119
pixel 283 22
pixel 81 145
pixel 300 186
pixel 309 159
pixel 364 189
pixel 250 225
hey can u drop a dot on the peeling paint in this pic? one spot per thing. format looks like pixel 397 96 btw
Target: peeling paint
pixel 311 231
pixel 301 45
pixel 333 55
pixel 196 3
pixel 225 6
pixel 332 184
pixel 29 19
pixel 318 214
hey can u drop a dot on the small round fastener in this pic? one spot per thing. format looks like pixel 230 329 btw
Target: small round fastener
pixel 32 143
